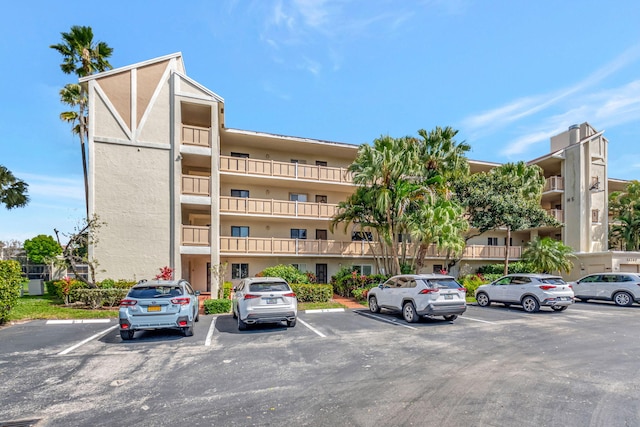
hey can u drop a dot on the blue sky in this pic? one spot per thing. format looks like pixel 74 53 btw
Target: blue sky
pixel 506 74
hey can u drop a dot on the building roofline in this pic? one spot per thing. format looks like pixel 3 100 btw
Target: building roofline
pixel 130 67
pixel 290 138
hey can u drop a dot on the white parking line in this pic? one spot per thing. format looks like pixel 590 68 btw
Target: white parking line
pixel 312 328
pixel 325 310
pixel 91 338
pixel 393 322
pixel 207 341
pixel 72 321
pixel 478 320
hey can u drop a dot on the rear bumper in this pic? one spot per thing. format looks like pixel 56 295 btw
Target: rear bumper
pixel 442 309
pixel 153 322
pixel 275 317
pixel 555 302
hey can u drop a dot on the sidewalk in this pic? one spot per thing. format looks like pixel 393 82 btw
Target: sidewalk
pixel 347 302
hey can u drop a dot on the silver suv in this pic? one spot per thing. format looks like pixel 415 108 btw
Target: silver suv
pixel 417 295
pixel 264 300
pixel 621 288
pixel 528 290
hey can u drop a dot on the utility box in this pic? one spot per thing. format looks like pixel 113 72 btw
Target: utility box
pixel 36 287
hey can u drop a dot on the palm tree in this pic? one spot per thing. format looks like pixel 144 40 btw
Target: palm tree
pixel 625 211
pixel 13 192
pixel 548 255
pixel 80 56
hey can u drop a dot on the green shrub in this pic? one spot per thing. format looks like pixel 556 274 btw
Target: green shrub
pixel 347 280
pixel 226 289
pixel 471 283
pixel 100 297
pixel 514 267
pixel 65 289
pixel 116 284
pixel 11 281
pixel 286 272
pixel 312 293
pixel 214 306
pixel 360 294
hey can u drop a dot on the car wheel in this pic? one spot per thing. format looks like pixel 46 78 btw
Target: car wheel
pixel 623 299
pixel 291 323
pixel 373 305
pixel 559 307
pixel 409 312
pixel 483 299
pixel 530 304
pixel 241 325
pixel 126 335
pixel 187 331
pixel 197 317
pixel 451 317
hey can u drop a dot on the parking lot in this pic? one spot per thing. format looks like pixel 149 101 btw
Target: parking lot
pixel 492 366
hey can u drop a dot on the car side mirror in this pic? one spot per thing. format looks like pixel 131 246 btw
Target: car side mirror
pixel 197 293
pixel 234 289
pixel 381 286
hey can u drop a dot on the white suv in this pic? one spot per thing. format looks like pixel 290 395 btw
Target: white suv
pixel 417 295
pixel 264 300
pixel 528 290
pixel 621 288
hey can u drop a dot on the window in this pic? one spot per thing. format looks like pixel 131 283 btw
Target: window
pixel 300 267
pixel 321 234
pixel 240 193
pixel 321 198
pixel 404 237
pixel 321 163
pixel 510 241
pixel 364 269
pixel 358 236
pixel 239 231
pixel 437 268
pixel 302 162
pixel 492 241
pixel 595 215
pixel 239 271
pixel 295 197
pixel 241 155
pixel 298 233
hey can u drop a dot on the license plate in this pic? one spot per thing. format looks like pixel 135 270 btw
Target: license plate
pixel 448 296
pixel 271 300
pixel 153 308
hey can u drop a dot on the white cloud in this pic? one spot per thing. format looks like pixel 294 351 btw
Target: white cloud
pixel 54 187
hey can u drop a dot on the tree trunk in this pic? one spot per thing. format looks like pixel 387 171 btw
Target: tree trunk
pixel 506 251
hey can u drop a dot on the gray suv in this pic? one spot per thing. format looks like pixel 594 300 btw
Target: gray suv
pixel 417 295
pixel 621 288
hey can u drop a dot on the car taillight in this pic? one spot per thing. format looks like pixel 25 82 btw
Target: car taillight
pixel 180 301
pixel 250 296
pixel 290 295
pixel 463 290
pixel 428 291
pixel 128 303
pixel 547 287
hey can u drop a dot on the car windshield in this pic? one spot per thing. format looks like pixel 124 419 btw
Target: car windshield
pixel 155 292
pixel 444 283
pixel 553 281
pixel 268 287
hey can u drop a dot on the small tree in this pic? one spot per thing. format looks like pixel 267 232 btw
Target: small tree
pixel 75 252
pixel 547 255
pixel 218 273
pixel 11 281
pixel 42 248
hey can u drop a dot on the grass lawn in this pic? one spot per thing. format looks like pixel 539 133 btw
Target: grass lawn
pixel 44 307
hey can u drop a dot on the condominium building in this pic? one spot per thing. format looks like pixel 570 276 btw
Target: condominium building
pixel 176 187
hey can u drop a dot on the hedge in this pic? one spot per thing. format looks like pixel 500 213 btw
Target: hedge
pixel 96 298
pixel 11 281
pixel 214 306
pixel 312 293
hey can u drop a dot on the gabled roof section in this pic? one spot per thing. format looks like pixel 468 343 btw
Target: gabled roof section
pixel 177 56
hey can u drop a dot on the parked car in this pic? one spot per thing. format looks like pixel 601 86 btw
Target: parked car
pixel 264 300
pixel 158 304
pixel 531 291
pixel 417 295
pixel 621 288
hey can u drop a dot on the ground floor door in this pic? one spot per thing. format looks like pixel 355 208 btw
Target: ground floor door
pixel 321 273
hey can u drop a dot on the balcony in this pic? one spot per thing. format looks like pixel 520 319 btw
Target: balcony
pixel 270 207
pixel 197 136
pixel 273 168
pixel 195 185
pixel 558 214
pixel 194 235
pixel 553 183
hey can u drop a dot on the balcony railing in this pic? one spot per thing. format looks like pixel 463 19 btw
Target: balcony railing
pixel 194 235
pixel 270 207
pixel 558 214
pixel 195 185
pixel 554 183
pixel 195 135
pixel 284 169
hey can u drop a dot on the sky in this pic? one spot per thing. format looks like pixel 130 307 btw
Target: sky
pixel 507 74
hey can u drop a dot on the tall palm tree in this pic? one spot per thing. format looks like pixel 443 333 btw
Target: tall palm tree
pixel 80 56
pixel 624 207
pixel 13 191
pixel 547 255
